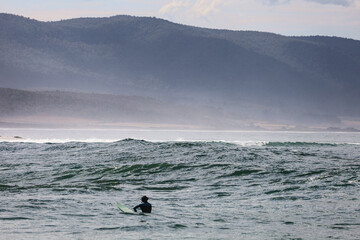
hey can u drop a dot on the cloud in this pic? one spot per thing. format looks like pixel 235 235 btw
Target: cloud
pixel 275 2
pixel 174 6
pixel 194 8
pixel 344 3
pixel 334 2
pixel 205 7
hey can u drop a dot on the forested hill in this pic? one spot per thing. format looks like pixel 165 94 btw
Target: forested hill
pixel 63 108
pixel 310 76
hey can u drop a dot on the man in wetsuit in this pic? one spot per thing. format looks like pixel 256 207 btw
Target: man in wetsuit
pixel 145 206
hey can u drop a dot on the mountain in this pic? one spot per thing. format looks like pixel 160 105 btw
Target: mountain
pixel 75 109
pixel 256 75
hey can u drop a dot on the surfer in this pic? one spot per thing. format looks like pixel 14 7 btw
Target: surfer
pixel 145 206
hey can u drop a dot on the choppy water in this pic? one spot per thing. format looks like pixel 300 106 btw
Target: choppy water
pixel 199 189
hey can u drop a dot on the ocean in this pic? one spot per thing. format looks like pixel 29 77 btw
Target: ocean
pixel 64 184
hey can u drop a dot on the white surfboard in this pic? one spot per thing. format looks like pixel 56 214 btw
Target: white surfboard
pixel 125 209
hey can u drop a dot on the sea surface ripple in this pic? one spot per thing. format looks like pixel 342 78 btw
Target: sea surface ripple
pixel 199 190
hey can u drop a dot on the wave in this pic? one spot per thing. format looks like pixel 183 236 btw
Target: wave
pixel 303 144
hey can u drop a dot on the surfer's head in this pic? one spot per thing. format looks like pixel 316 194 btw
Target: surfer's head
pixel 144 199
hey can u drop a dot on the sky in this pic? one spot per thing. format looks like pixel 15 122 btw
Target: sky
pixel 287 17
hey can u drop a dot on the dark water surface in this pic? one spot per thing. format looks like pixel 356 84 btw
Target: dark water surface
pixel 199 189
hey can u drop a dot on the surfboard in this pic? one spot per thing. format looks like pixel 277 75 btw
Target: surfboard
pixel 124 208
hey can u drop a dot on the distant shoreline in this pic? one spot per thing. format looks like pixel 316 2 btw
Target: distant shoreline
pixel 164 128
pixel 10 138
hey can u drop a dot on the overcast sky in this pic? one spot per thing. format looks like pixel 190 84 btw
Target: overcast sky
pixel 288 17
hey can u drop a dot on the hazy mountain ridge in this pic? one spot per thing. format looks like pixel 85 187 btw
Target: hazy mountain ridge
pixel 291 77
pixel 93 109
pixel 86 105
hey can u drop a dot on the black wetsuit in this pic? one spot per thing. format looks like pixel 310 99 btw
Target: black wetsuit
pixel 145 207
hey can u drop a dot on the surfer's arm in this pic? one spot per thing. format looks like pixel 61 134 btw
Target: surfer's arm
pixel 136 207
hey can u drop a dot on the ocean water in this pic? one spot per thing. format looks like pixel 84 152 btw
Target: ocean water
pixel 63 184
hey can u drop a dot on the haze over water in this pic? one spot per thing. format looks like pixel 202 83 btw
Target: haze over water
pixel 203 185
